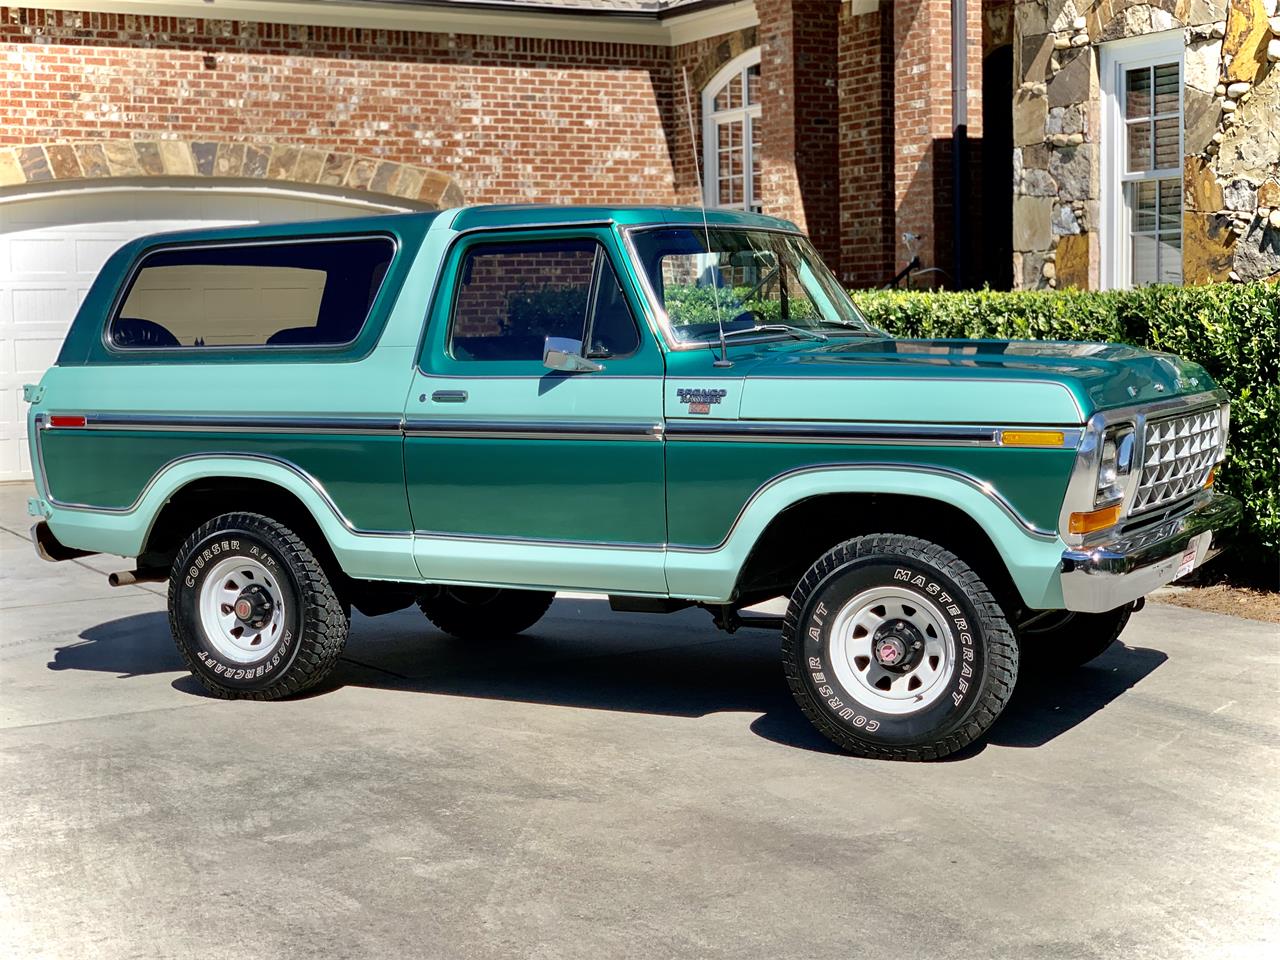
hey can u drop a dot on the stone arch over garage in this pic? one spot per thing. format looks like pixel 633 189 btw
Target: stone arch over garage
pixel 273 163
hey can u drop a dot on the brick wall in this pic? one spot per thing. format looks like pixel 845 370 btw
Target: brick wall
pixel 866 148
pixel 856 109
pixel 508 117
pixel 923 126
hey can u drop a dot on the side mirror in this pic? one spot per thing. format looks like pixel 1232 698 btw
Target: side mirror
pixel 565 354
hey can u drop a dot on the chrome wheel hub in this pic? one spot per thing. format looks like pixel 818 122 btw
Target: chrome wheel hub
pixel 891 650
pixel 242 609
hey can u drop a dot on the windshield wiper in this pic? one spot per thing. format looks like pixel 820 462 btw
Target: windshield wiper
pixel 857 328
pixel 777 328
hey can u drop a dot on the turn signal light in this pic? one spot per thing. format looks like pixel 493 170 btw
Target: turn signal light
pixel 1208 482
pixel 65 421
pixel 1094 520
pixel 1033 438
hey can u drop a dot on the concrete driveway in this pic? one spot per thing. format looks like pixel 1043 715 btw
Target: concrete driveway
pixel 612 786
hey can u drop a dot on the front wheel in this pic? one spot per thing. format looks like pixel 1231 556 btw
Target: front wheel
pixel 252 611
pixel 894 648
pixel 484 613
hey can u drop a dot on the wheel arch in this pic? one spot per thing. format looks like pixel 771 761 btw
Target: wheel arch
pixel 238 482
pixel 204 497
pixel 805 530
pixel 836 503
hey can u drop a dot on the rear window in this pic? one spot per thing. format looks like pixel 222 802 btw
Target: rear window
pixel 253 295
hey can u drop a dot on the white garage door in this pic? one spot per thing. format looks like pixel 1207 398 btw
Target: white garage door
pixel 52 246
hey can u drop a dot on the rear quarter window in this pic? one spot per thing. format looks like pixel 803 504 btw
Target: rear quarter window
pixel 274 294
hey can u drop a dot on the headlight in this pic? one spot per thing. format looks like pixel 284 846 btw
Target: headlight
pixel 1115 463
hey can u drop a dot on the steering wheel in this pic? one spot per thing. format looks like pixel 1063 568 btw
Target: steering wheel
pixel 133 332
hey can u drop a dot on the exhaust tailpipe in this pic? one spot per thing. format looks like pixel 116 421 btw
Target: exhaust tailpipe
pixel 126 578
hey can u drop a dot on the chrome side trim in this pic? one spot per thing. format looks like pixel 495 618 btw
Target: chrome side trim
pixel 210 424
pixel 769 431
pixel 539 541
pixel 986 489
pixel 897 434
pixel 534 429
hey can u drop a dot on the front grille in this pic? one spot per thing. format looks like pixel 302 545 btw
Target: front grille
pixel 1177 457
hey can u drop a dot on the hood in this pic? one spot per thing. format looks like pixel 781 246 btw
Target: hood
pixel 1023 381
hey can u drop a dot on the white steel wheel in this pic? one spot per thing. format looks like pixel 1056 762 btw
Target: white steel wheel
pixel 892 650
pixel 242 609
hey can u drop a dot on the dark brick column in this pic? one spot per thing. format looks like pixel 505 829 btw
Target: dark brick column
pixel 801 121
pixel 867 219
pixel 922 125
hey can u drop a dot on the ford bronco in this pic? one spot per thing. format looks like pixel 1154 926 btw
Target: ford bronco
pixel 472 409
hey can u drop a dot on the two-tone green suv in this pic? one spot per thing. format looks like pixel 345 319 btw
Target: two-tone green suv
pixel 473 409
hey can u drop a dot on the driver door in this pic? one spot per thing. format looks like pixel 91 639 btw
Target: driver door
pixel 522 475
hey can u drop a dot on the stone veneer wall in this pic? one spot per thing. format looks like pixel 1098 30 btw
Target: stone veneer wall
pixel 1231 135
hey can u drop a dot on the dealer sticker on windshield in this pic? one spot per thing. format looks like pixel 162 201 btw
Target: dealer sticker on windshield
pixel 1188 562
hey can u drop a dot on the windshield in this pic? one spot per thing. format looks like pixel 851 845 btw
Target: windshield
pixel 749 278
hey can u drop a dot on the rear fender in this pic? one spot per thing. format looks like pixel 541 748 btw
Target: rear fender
pixel 371 554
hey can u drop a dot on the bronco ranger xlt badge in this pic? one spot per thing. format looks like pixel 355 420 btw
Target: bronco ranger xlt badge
pixel 516 402
pixel 700 400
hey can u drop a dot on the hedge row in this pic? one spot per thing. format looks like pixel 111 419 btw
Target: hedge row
pixel 1232 330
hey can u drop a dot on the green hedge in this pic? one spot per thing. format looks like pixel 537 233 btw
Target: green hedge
pixel 1232 330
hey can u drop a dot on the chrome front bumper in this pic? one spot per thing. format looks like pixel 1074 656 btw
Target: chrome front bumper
pixel 1101 577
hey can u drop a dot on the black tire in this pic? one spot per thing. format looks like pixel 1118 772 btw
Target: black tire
pixel 298 651
pixel 484 613
pixel 973 674
pixel 1068 640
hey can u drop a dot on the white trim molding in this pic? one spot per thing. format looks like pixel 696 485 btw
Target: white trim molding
pixel 1114 262
pixel 601 27
pixel 747 114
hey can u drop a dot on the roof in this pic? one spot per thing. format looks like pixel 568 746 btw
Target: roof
pixel 411 226
pixel 516 215
pixel 648 9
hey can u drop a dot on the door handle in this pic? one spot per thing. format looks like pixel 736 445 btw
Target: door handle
pixel 449 396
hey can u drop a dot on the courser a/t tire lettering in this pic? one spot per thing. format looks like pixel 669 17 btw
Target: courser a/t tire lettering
pixel 252 611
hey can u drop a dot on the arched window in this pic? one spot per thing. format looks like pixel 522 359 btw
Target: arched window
pixel 730 134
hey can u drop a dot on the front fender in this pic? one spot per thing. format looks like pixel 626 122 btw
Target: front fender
pixel 123 531
pixel 1032 555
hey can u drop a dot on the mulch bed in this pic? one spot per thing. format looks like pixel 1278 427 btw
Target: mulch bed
pixel 1223 598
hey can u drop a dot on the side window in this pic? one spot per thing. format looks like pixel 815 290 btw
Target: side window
pixel 305 293
pixel 512 296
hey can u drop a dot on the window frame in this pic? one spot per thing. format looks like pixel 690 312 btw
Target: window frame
pixel 455 259
pixel 1116 57
pixel 749 114
pixel 236 351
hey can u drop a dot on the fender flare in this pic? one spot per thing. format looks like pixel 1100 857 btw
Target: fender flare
pixel 376 554
pixel 1032 555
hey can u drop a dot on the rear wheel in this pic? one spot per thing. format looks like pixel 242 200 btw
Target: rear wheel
pixel 1062 640
pixel 482 613
pixel 252 611
pixel 894 648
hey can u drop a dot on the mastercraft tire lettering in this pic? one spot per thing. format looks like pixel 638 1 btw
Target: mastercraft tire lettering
pixel 252 612
pixel 894 648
